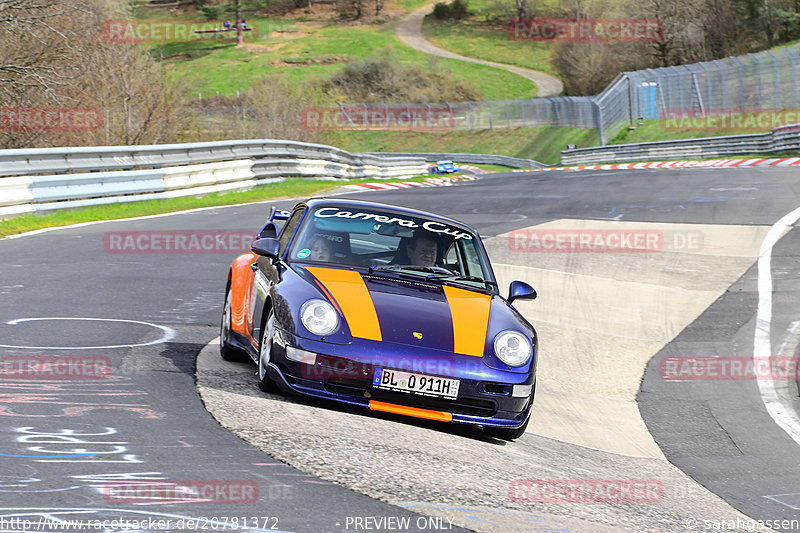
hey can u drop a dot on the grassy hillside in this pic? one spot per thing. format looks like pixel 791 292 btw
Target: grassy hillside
pixel 484 35
pixel 657 130
pixel 300 50
pixel 540 144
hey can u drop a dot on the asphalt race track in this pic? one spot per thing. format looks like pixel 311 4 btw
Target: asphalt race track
pixel 607 408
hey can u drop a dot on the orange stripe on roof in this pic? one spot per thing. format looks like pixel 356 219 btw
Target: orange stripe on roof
pixel 441 416
pixel 352 296
pixel 470 313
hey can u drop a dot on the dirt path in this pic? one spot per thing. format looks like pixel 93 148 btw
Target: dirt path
pixel 409 30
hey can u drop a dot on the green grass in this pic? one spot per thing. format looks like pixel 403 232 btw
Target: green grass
pixel 290 188
pixel 488 41
pixel 211 67
pixel 410 5
pixel 658 130
pixel 490 168
pixel 539 144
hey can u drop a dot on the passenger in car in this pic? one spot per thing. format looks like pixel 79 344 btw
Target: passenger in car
pixel 321 249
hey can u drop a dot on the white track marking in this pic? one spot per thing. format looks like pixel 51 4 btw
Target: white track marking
pixel 168 334
pixel 782 414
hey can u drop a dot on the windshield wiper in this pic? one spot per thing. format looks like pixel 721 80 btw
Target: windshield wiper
pixel 431 273
pixel 459 277
pixel 413 268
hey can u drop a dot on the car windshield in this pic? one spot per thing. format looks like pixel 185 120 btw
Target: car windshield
pixel 384 241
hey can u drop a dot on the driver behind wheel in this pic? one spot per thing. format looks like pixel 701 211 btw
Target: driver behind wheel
pixel 423 249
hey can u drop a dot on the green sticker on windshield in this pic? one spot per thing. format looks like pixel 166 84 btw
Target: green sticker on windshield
pixel 302 254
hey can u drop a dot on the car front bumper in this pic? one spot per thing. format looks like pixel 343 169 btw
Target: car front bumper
pixel 344 373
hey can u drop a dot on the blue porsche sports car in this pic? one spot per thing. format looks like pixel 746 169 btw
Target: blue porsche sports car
pixel 444 167
pixel 384 307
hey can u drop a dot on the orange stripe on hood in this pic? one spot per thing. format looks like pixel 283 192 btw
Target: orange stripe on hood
pixel 470 313
pixel 352 296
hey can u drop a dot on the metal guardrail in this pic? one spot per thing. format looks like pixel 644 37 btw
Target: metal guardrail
pixel 781 139
pixel 99 158
pixel 53 178
pixel 475 159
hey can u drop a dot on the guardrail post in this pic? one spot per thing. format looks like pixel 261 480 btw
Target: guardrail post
pixel 598 118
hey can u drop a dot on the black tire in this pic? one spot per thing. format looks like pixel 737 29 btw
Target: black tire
pixel 507 434
pixel 265 383
pixel 226 350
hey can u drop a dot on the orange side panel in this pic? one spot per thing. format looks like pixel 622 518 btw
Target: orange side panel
pixel 352 296
pixel 242 277
pixel 441 416
pixel 470 313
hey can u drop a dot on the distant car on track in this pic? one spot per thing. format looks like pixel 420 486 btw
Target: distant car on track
pixel 444 167
pixel 384 307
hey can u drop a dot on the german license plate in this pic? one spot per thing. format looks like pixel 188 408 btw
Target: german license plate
pixel 415 383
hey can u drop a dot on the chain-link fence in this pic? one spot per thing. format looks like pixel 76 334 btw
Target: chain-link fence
pixel 736 85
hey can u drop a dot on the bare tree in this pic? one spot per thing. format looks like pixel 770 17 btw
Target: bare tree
pixel 239 28
pixel 57 54
pixel 522 9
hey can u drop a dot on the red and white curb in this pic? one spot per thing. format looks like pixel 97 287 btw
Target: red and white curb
pixel 711 163
pixel 473 169
pixel 430 182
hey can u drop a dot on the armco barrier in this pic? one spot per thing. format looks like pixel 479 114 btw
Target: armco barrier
pixel 475 159
pixel 53 178
pixel 782 139
pixel 100 158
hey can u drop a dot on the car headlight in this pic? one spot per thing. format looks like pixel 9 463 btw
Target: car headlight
pixel 512 347
pixel 319 317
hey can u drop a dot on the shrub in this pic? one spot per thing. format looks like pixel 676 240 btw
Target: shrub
pixel 213 12
pixel 383 78
pixel 457 10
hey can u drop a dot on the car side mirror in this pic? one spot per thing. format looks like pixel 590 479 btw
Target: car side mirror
pixel 267 247
pixel 519 290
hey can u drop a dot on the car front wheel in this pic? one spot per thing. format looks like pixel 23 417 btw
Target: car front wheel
pixel 265 383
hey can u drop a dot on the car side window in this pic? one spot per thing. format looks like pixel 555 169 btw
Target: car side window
pixel 289 228
pixel 472 261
